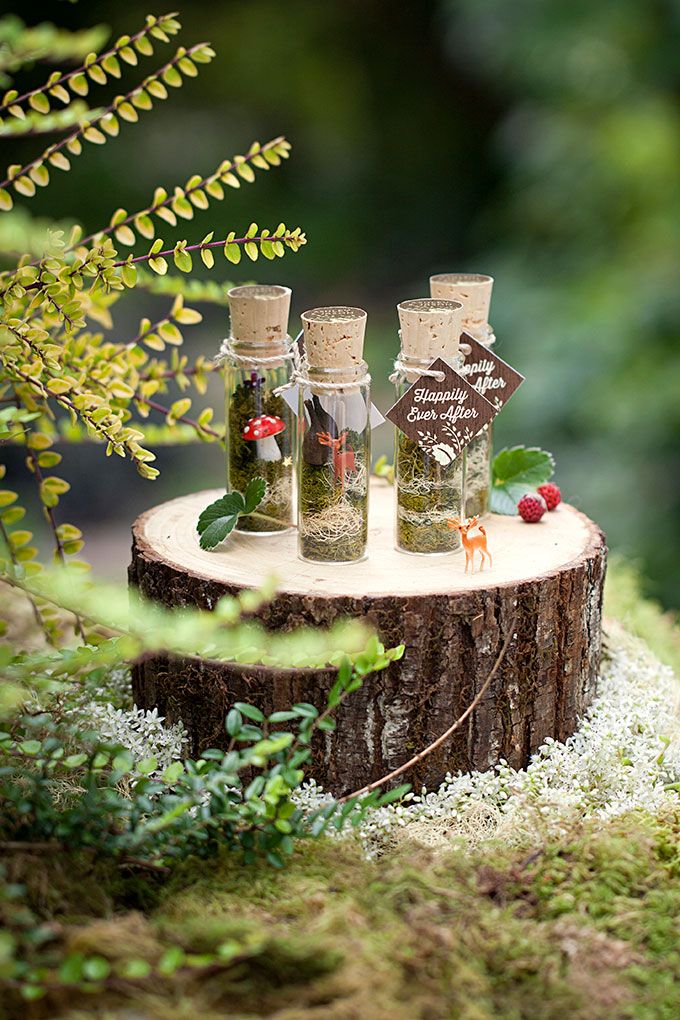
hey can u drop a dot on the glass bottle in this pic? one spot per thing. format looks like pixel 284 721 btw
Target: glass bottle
pixel 474 292
pixel 334 453
pixel 429 491
pixel 260 425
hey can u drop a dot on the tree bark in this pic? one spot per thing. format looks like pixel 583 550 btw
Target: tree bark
pixel 546 585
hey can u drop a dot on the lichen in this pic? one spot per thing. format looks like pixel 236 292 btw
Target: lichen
pixel 243 463
pixel 428 494
pixel 477 472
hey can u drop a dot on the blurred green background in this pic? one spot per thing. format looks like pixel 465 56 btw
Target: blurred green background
pixel 538 142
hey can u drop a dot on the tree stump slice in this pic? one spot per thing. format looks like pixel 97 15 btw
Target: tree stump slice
pixel 546 584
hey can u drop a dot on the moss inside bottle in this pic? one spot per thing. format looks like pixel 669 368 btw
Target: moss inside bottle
pixel 335 438
pixel 260 425
pixel 428 492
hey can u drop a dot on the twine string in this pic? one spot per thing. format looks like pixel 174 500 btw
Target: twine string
pixel 227 352
pixel 300 376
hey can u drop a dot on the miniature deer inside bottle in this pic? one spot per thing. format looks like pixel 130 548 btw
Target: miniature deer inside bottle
pixel 471 544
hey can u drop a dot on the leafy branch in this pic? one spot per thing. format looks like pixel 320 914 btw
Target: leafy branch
pixel 96 68
pixel 254 243
pixel 25 179
pixel 194 194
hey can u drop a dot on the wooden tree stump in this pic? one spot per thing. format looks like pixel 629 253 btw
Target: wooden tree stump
pixel 546 584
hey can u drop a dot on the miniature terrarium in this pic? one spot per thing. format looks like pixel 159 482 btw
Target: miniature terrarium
pixel 429 484
pixel 474 293
pixel 260 425
pixel 335 437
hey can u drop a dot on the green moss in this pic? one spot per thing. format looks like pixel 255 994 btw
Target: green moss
pixel 333 514
pixel 427 494
pixel 477 474
pixel 243 463
pixel 580 925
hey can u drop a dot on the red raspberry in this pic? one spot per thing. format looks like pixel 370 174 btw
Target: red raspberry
pixel 531 507
pixel 551 494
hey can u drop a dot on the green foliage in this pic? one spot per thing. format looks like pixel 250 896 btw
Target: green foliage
pixel 219 519
pixel 63 788
pixel 515 471
pixel 62 372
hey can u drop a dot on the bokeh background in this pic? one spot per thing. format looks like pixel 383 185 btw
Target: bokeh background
pixel 538 142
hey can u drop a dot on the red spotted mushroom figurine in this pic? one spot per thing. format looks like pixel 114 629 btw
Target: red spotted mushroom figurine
pixel 262 431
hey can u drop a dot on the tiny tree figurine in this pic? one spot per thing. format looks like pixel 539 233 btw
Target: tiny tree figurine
pixel 335 448
pixel 474 293
pixel 260 425
pixel 471 545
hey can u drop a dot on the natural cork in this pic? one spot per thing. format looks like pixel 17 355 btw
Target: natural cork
pixel 474 293
pixel 430 328
pixel 334 337
pixel 259 313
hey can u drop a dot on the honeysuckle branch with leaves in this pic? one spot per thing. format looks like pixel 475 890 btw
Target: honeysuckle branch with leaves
pixel 60 360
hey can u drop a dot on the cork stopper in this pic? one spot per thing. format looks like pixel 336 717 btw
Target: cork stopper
pixel 430 328
pixel 473 291
pixel 334 337
pixel 259 313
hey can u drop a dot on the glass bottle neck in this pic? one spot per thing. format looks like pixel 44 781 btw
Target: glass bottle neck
pixel 338 375
pixel 255 350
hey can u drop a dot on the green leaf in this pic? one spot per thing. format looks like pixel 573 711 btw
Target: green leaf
pixel 249 711
pixel 515 471
pixel 254 494
pixel 218 520
pixel 96 968
pixel 233 253
pixel 183 260
pixel 135 969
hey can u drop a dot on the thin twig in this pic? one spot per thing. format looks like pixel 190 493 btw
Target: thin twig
pixel 444 736
pixel 183 418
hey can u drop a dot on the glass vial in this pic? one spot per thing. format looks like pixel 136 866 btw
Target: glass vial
pixel 474 292
pixel 429 488
pixel 334 453
pixel 260 425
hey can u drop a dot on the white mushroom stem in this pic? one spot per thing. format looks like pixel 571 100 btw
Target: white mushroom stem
pixel 267 449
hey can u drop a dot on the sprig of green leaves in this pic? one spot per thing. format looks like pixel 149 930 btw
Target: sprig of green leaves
pixel 219 519
pixel 515 471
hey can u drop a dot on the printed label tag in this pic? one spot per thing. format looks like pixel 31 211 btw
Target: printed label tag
pixel 442 417
pixel 489 374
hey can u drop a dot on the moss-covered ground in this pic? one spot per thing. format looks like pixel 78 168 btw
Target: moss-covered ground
pixel 580 924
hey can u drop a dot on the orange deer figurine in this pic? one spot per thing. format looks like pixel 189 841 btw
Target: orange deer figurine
pixel 471 544
pixel 343 460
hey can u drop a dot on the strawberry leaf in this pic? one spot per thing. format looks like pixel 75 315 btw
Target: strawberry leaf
pixel 219 519
pixel 515 471
pixel 254 494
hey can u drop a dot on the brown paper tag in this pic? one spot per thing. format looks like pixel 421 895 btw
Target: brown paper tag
pixel 489 374
pixel 441 417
